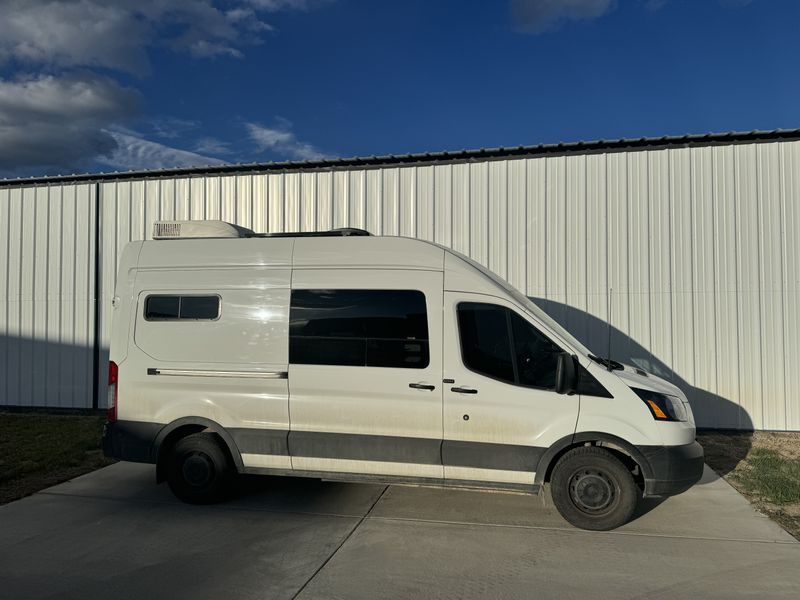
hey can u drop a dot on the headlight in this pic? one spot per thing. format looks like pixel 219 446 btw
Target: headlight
pixel 663 407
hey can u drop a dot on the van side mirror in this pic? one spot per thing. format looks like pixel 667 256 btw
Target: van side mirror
pixel 566 374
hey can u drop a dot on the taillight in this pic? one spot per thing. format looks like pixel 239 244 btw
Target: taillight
pixel 113 378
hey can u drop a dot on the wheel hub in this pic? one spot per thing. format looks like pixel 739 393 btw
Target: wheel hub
pixel 591 491
pixel 197 470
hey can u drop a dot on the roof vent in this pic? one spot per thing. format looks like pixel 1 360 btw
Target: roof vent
pixel 176 230
pixel 342 231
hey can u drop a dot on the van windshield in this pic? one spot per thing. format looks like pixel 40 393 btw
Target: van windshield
pixel 528 304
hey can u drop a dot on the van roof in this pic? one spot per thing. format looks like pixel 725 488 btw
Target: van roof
pixel 344 250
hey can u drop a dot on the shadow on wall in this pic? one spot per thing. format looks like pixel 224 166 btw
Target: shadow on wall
pixel 710 410
pixel 47 374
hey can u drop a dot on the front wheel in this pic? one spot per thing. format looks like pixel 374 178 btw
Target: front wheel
pixel 593 489
pixel 198 470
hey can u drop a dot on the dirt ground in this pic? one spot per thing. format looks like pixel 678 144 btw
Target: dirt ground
pixel 764 467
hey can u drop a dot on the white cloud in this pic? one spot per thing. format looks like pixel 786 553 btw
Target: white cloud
pixel 63 117
pixel 281 141
pixel 170 127
pixel 116 35
pixel 212 145
pixel 539 16
pixel 133 152
pixel 54 121
pixel 73 33
pixel 276 5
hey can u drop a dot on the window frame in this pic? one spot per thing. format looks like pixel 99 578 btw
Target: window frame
pixel 180 300
pixel 512 346
pixel 364 340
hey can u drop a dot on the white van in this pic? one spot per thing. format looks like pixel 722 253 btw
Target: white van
pixel 341 355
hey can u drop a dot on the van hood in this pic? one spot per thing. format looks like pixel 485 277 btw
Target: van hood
pixel 637 378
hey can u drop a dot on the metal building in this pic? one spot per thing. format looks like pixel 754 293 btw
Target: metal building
pixel 681 255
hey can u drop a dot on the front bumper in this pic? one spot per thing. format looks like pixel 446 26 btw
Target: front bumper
pixel 132 441
pixel 674 469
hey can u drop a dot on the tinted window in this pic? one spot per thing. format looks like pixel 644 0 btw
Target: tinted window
pixel 535 354
pixel 173 308
pixel 497 342
pixel 373 328
pixel 485 342
pixel 162 307
pixel 199 307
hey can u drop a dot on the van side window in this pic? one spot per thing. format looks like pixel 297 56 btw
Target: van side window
pixel 485 342
pixel 363 328
pixel 180 308
pixel 498 343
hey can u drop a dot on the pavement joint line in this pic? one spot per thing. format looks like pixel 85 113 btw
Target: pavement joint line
pixel 339 547
pixel 582 531
pixel 416 520
pixel 210 506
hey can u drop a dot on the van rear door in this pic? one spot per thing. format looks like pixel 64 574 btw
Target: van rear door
pixel 365 372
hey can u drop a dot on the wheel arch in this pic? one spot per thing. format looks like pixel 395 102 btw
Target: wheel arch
pixel 184 426
pixel 567 443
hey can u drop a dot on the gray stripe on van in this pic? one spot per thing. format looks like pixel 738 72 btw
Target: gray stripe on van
pixel 348 446
pixel 136 441
pixel 261 441
pixel 383 448
pixel 481 455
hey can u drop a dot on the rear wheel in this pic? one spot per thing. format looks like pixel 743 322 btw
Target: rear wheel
pixel 198 470
pixel 593 489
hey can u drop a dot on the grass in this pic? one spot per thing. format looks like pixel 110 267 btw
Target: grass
pixel 762 466
pixel 768 474
pixel 38 450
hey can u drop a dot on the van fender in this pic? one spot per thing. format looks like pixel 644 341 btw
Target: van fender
pixel 555 450
pixel 207 424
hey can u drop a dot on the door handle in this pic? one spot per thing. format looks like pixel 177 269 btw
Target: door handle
pixel 422 386
pixel 463 390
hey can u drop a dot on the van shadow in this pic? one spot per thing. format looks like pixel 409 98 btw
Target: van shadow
pixel 304 494
pixel 434 502
pixel 712 411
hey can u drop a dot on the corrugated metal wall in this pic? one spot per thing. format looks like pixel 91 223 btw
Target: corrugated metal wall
pixel 47 328
pixel 695 250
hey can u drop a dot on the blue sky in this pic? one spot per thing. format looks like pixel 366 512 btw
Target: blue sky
pixel 87 85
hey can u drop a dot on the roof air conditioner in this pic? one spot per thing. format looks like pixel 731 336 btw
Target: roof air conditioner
pixel 177 230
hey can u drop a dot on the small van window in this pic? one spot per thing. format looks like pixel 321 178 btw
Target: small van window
pixel 497 342
pixel 364 328
pixel 179 308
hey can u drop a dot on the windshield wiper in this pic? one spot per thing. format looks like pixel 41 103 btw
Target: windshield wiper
pixel 609 364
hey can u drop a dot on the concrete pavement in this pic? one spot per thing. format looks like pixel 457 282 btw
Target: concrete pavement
pixel 115 534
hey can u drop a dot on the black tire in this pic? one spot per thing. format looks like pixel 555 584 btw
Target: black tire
pixel 198 470
pixel 593 489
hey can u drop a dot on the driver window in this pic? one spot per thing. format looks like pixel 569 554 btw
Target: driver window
pixel 498 343
pixel 535 354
